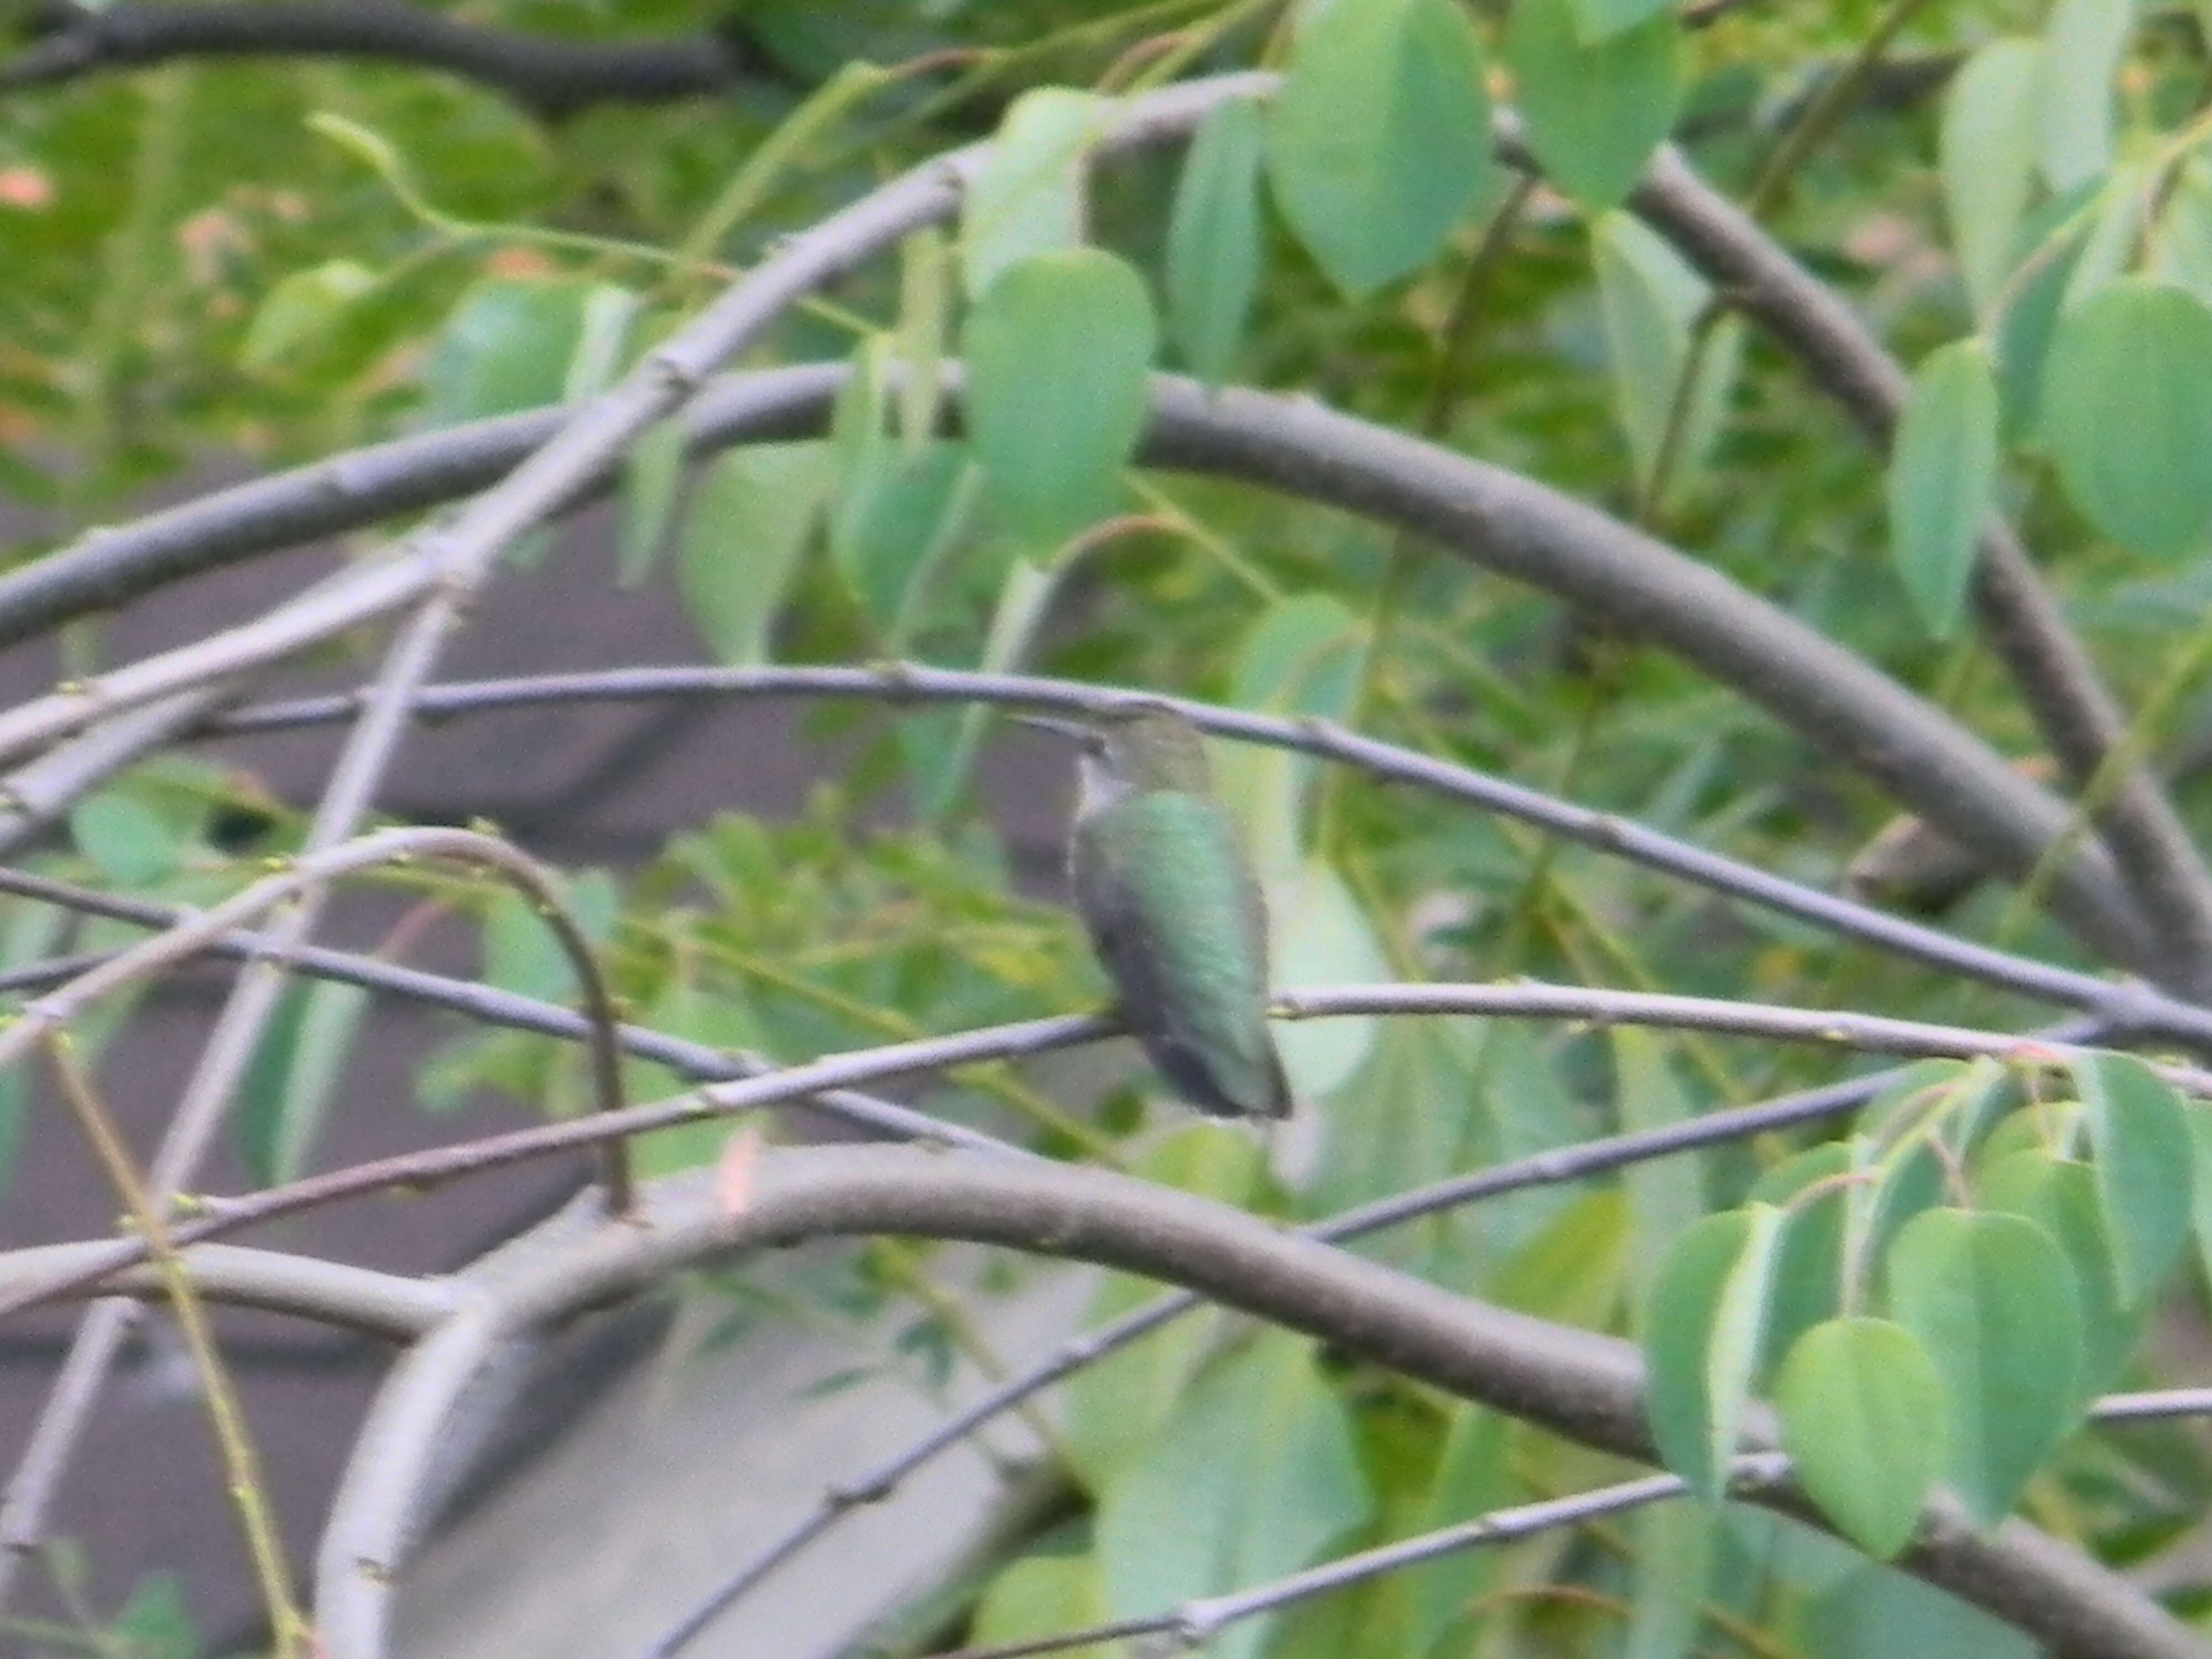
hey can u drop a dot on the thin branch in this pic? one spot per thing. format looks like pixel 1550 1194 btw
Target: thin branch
pixel 437 1164
pixel 1572 1382
pixel 1200 1620
pixel 234 1443
pixel 549 77
pixel 388 1305
pixel 2023 622
pixel 1507 522
pixel 482 1003
pixel 2133 1008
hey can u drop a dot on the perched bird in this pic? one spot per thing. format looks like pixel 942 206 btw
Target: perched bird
pixel 1173 907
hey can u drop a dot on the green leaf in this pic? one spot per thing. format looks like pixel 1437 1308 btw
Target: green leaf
pixel 1114 1406
pixel 1379 142
pixel 1703 1331
pixel 1809 1265
pixel 607 315
pixel 1253 1478
pixel 1990 1300
pixel 1041 1595
pixel 506 346
pixel 1027 198
pixel 2030 319
pixel 2200 1131
pixel 2140 1131
pixel 520 952
pixel 286 1095
pixel 1651 300
pixel 1058 349
pixel 1470 1479
pixel 1596 110
pixel 32 931
pixel 652 468
pixel 302 307
pixel 1599 20
pixel 1862 1410
pixel 1987 154
pixel 1666 1195
pixel 748 521
pixel 2127 410
pixel 1940 473
pixel 1213 240
pixel 2119 224
pixel 894 524
pixel 1318 935
pixel 128 842
pixel 1302 657
pixel 2180 250
pixel 925 321
pixel 156 1622
pixel 2083 41
pixel 2060 1196
pixel 1676 1552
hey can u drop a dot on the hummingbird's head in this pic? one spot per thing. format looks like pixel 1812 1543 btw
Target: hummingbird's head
pixel 1133 747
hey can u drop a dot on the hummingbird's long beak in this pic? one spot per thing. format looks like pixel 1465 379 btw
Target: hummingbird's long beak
pixel 1073 730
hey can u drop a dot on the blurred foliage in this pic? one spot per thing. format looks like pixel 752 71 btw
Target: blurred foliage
pixel 280 260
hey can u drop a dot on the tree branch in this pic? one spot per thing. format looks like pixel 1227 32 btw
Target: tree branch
pixel 550 78
pixel 1486 515
pixel 1586 1387
pixel 2058 680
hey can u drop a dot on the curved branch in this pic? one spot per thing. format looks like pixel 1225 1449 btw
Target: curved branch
pixel 1585 1387
pixel 549 77
pixel 2022 620
pixel 331 1292
pixel 1486 515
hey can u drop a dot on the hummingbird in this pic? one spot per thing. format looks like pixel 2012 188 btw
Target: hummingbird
pixel 1173 907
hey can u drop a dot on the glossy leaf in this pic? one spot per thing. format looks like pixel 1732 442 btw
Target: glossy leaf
pixel 2127 410
pixel 1594 110
pixel 1990 1299
pixel 1255 1476
pixel 748 521
pixel 2029 320
pixel 2140 1131
pixel 1058 349
pixel 1028 196
pixel 1379 142
pixel 1941 471
pixel 1649 300
pixel 1862 1410
pixel 2083 40
pixel 2060 1196
pixel 1213 240
pixel 1987 153
pixel 1702 1334
pixel 1808 1262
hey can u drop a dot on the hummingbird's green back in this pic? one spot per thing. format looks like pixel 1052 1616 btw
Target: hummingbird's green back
pixel 1178 921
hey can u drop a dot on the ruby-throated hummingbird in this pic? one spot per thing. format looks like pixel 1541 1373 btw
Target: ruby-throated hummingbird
pixel 1173 907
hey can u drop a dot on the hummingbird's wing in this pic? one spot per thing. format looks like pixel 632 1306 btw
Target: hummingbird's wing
pixel 1173 910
